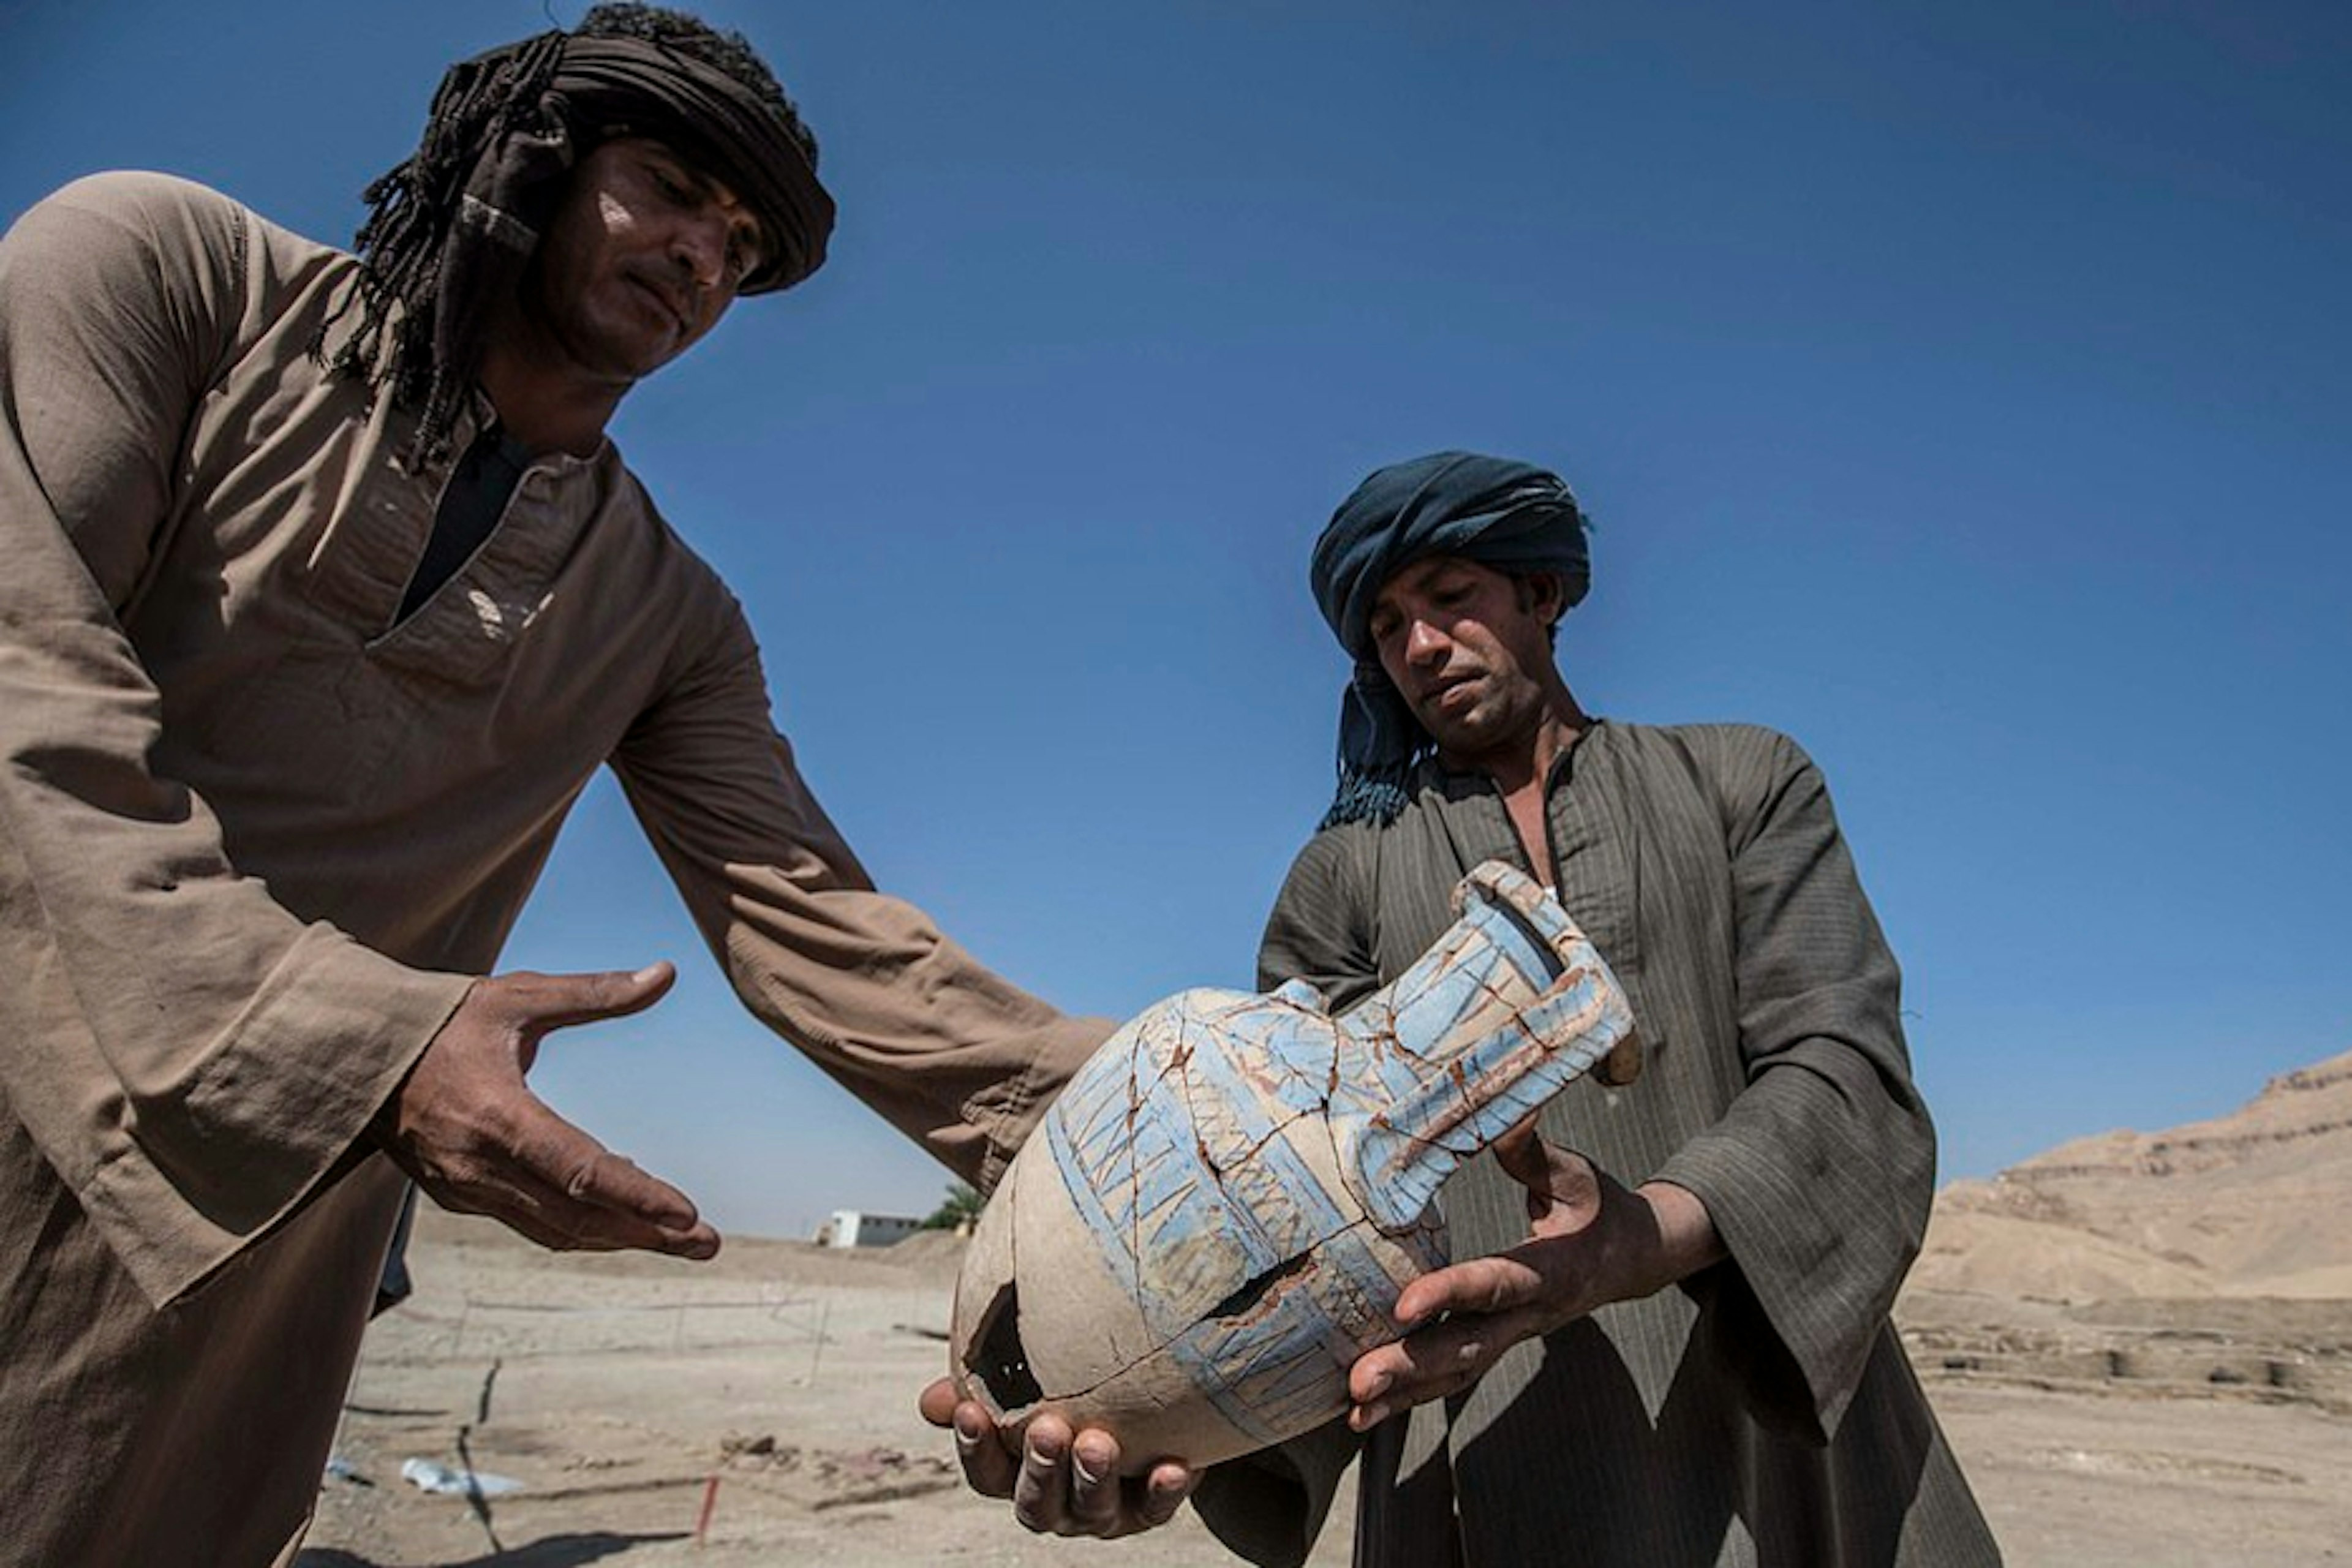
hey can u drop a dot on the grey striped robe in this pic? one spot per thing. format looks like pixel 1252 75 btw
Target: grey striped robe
pixel 1763 1413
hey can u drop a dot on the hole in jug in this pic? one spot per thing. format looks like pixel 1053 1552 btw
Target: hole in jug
pixel 1254 1293
pixel 997 1357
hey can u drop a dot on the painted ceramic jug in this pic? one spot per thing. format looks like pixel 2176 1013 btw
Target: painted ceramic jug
pixel 1218 1212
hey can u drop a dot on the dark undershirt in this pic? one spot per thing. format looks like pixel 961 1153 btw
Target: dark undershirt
pixel 480 483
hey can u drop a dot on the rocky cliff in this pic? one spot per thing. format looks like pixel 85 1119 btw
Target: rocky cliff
pixel 2250 1204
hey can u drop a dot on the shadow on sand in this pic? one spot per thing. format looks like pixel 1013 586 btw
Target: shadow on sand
pixel 555 1551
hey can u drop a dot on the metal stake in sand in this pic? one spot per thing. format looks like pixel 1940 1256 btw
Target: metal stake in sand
pixel 816 1353
pixel 476 1501
pixel 710 1501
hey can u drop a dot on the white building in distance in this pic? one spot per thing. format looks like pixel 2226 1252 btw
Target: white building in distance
pixel 854 1227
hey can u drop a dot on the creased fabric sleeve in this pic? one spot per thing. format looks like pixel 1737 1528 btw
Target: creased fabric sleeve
pixel 1319 929
pixel 1819 1176
pixel 947 1051
pixel 191 1059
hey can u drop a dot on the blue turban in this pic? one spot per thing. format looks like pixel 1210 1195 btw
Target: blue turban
pixel 1511 516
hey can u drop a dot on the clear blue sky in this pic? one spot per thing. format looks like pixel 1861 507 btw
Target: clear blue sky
pixel 1966 389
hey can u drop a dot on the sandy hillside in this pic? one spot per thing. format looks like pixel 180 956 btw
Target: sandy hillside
pixel 2250 1204
pixel 2141 1345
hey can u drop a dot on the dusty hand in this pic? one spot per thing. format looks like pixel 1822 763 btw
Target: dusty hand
pixel 1592 1242
pixel 1060 1483
pixel 473 1135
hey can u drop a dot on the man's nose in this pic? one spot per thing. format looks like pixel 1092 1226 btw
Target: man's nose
pixel 1423 643
pixel 699 246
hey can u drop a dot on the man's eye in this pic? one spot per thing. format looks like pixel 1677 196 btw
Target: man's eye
pixel 743 253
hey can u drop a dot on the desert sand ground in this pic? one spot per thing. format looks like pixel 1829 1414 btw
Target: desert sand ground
pixel 615 1389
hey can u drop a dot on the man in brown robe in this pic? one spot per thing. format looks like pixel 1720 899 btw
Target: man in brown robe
pixel 1683 1358
pixel 323 596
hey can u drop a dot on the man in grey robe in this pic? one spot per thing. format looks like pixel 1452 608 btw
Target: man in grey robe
pixel 1683 1358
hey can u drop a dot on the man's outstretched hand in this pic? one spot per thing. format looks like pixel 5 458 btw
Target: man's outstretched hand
pixel 1061 1482
pixel 468 1128
pixel 1591 1242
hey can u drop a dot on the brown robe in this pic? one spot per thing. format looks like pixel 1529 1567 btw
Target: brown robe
pixel 255 838
pixel 1763 1412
